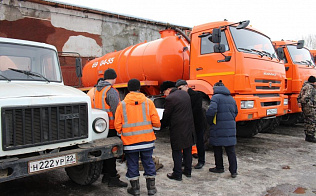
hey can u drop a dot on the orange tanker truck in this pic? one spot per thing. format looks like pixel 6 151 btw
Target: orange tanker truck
pixel 243 58
pixel 299 65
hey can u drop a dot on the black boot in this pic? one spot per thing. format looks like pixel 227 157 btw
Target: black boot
pixel 135 189
pixel 310 138
pixel 105 178
pixel 116 182
pixel 150 182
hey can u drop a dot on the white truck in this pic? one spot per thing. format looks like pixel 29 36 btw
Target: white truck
pixel 46 125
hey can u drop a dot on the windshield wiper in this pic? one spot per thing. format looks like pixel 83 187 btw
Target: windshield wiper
pixel 267 54
pixel 30 73
pixel 245 49
pixel 302 62
pixel 258 51
pixel 310 63
pixel 5 77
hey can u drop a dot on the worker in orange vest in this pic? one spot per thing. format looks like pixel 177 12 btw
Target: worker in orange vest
pixel 90 93
pixel 135 118
pixel 106 97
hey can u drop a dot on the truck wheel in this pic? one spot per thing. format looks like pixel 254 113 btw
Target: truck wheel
pixel 85 174
pixel 205 105
pixel 291 119
pixel 248 128
pixel 270 124
pixel 122 93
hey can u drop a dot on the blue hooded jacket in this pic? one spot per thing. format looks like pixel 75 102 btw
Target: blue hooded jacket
pixel 223 105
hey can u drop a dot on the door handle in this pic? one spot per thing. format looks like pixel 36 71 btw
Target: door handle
pixel 199 68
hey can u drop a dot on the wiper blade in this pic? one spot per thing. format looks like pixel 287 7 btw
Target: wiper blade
pixel 30 73
pixel 258 51
pixel 302 62
pixel 310 63
pixel 267 54
pixel 245 49
pixel 5 77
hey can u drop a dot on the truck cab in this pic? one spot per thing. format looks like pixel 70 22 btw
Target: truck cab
pixel 299 65
pixel 44 124
pixel 245 60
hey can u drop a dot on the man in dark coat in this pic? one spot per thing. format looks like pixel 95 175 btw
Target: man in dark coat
pixel 199 120
pixel 221 116
pixel 178 116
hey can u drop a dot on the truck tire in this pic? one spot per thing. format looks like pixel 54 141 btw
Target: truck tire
pixel 85 174
pixel 248 128
pixel 122 93
pixel 291 119
pixel 205 105
pixel 270 124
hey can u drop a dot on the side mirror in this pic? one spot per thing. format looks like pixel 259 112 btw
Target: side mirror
pixel 78 67
pixel 216 36
pixel 219 48
pixel 243 24
pixel 300 44
pixel 280 53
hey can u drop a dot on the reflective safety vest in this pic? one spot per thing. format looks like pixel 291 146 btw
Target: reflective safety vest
pixel 100 103
pixel 137 132
pixel 90 93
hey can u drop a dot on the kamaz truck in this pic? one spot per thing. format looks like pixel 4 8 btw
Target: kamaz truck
pixel 46 125
pixel 242 57
pixel 299 65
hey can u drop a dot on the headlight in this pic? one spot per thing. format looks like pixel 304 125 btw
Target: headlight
pixel 286 101
pixel 247 104
pixel 99 125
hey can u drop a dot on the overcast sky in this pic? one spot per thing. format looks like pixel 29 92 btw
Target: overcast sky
pixel 278 19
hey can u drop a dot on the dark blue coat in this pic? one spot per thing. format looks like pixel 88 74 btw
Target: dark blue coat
pixel 223 133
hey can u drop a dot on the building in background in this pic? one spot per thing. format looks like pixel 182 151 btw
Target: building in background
pixel 74 30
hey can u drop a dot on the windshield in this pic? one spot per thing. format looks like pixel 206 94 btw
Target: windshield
pixel 252 42
pixel 21 62
pixel 300 56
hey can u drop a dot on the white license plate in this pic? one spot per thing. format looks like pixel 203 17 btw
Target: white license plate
pixel 45 164
pixel 272 111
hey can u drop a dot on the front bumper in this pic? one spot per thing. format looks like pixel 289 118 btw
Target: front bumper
pixel 15 167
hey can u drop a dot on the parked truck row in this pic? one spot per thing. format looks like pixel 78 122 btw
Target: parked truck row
pixel 242 57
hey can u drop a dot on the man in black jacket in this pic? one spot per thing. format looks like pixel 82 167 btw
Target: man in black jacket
pixel 178 116
pixel 199 120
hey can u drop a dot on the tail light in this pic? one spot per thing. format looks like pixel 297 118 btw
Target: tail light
pixel 115 150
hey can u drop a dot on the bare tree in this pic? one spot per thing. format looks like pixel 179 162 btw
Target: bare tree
pixel 310 41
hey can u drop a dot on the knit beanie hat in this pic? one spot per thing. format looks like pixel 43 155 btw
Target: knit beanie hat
pixel 311 79
pixel 133 85
pixel 165 85
pixel 180 83
pixel 219 83
pixel 109 74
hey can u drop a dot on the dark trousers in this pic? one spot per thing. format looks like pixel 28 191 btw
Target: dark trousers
pixel 230 151
pixel 200 146
pixel 177 161
pixel 132 159
pixel 109 165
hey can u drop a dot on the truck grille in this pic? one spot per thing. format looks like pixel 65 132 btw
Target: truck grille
pixel 267 84
pixel 34 126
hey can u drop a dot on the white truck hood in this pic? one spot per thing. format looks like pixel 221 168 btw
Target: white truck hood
pixel 28 89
